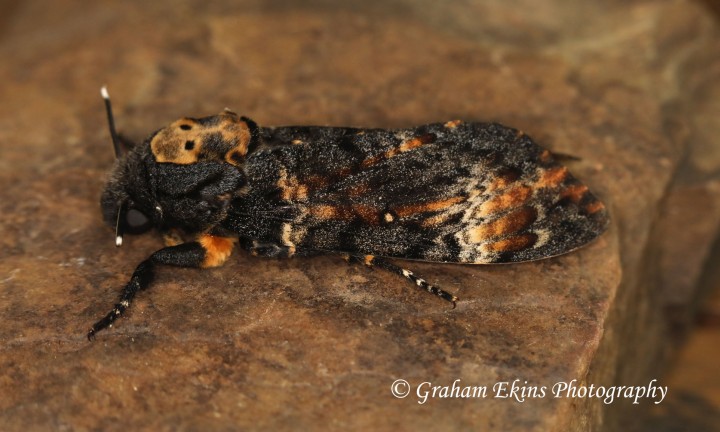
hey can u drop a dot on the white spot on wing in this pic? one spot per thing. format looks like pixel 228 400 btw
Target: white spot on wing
pixel 287 238
pixel 543 237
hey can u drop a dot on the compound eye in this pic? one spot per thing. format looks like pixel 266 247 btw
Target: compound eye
pixel 136 222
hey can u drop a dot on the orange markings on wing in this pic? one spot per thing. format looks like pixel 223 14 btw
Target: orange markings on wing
pixel 577 192
pixel 315 182
pixel 574 192
pixel 594 207
pixel 325 212
pixel 511 244
pixel 217 249
pixel 412 209
pixel 502 226
pixel 366 213
pixel 360 189
pixel 512 197
pixel 403 147
pixel 294 189
pixel 503 179
pixel 416 142
pixel 435 220
pixel 552 177
pixel 371 161
pixel 291 189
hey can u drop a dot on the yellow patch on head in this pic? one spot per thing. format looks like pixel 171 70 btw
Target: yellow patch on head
pixel 452 124
pixel 185 141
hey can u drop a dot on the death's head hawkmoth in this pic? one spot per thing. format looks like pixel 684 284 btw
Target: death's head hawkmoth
pixel 452 192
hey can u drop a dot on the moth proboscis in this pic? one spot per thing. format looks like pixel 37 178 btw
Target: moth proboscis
pixel 453 192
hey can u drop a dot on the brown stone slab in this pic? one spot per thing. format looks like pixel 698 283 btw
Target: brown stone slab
pixel 316 344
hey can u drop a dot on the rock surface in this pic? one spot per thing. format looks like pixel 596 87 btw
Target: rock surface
pixel 629 87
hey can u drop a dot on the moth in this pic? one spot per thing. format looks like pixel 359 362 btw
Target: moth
pixel 453 192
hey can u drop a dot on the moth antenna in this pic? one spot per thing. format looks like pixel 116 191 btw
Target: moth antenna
pixel 111 123
pixel 118 225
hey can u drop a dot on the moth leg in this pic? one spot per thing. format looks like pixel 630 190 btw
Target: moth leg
pixel 207 251
pixel 373 261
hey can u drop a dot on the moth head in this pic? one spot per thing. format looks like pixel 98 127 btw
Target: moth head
pixel 184 176
pixel 124 204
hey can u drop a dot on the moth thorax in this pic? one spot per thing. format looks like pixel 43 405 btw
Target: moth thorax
pixel 223 137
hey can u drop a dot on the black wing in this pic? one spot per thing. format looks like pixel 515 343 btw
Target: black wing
pixel 453 192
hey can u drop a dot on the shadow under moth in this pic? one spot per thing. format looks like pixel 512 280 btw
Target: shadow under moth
pixel 454 192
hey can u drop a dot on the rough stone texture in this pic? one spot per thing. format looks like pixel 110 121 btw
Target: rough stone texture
pixel 630 87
